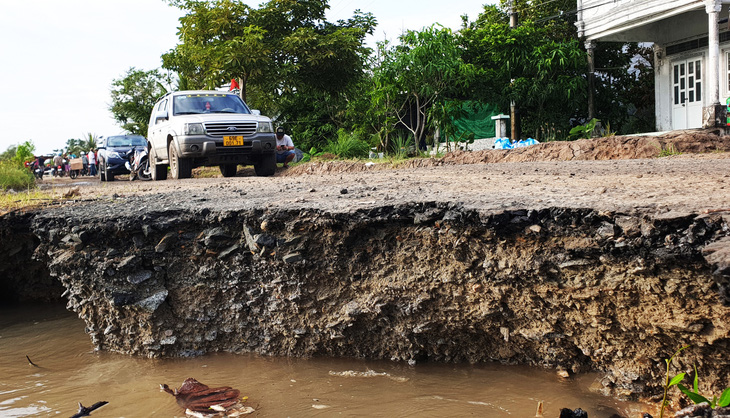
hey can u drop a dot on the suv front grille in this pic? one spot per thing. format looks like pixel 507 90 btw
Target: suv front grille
pixel 219 129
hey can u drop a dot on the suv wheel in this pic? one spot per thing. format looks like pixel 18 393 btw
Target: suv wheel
pixel 104 174
pixel 266 165
pixel 180 168
pixel 157 171
pixel 229 170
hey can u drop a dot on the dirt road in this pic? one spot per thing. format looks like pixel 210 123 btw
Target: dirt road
pixel 685 183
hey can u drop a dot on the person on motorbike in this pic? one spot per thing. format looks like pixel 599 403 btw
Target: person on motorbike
pixel 58 164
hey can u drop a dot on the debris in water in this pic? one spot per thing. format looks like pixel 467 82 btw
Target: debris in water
pixel 320 406
pixel 538 414
pixel 86 411
pixel 200 401
pixel 577 413
pixel 30 362
pixel 369 373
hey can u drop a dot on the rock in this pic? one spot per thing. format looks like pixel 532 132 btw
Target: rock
pixel 216 237
pixel 701 410
pixel 631 226
pixel 292 258
pixel 151 303
pixel 250 241
pixel 607 230
pixel 139 277
pixel 228 251
pixel 130 261
pixel 166 241
pixel 264 240
pixel 138 240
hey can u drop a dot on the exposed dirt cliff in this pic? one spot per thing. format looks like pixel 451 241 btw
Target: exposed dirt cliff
pixel 581 265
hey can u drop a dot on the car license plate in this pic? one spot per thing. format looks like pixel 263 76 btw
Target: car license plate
pixel 232 141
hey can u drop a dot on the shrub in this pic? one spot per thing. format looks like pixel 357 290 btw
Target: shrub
pixel 15 176
pixel 347 146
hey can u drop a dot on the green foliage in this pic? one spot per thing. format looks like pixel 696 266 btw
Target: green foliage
pixel 584 131
pixel 413 82
pixel 673 381
pixel 14 176
pixel 311 154
pixel 666 150
pixel 9 153
pixel 75 146
pixel 541 71
pixel 402 146
pixel 694 395
pixel 133 98
pixel 291 63
pixel 24 152
pixel 347 146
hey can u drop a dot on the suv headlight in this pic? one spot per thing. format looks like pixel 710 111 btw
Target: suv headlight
pixel 265 127
pixel 113 154
pixel 193 129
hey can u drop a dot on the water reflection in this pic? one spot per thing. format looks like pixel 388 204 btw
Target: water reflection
pixel 71 372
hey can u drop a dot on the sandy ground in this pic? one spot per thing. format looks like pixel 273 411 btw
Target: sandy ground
pixel 597 176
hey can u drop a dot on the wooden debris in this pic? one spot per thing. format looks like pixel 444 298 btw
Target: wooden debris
pixel 538 414
pixel 86 411
pixel 30 362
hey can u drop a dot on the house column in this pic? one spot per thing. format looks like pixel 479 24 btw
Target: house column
pixel 590 52
pixel 713 112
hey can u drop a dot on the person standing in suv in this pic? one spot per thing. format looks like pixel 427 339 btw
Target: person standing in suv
pixel 284 147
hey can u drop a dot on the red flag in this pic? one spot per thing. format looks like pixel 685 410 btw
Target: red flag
pixel 234 85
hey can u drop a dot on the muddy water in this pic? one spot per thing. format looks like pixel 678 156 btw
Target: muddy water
pixel 70 371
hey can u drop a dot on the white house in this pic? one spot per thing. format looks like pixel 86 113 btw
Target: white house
pixel 691 47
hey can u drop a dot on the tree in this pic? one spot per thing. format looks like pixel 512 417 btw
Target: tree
pixel 535 65
pixel 75 146
pixel 290 62
pixel 9 153
pixel 133 98
pixel 24 152
pixel 414 81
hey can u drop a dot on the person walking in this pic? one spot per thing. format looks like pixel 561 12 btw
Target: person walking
pixel 92 162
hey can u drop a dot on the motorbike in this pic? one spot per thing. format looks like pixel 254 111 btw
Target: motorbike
pixel 57 171
pixel 37 170
pixel 138 164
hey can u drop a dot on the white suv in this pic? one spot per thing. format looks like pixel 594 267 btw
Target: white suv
pixel 207 128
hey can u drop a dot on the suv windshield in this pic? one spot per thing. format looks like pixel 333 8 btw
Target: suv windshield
pixel 126 141
pixel 191 104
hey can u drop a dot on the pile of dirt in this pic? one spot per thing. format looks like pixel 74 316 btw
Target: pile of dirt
pixel 696 141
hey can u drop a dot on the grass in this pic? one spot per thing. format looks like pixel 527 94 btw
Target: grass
pixel 347 146
pixel 667 151
pixel 15 177
pixel 25 199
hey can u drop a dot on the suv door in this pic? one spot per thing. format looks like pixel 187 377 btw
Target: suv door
pixel 158 128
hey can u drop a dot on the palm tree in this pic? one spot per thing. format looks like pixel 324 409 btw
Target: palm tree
pixel 74 146
pixel 89 141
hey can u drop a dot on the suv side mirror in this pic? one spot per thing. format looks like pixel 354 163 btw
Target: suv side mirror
pixel 255 112
pixel 161 115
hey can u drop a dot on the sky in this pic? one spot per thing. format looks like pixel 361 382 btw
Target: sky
pixel 58 58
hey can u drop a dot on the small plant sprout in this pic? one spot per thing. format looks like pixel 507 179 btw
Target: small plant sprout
pixel 669 382
pixel 694 395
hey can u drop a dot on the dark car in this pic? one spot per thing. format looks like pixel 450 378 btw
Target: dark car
pixel 113 154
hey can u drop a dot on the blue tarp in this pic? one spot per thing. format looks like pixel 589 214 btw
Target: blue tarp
pixel 505 143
